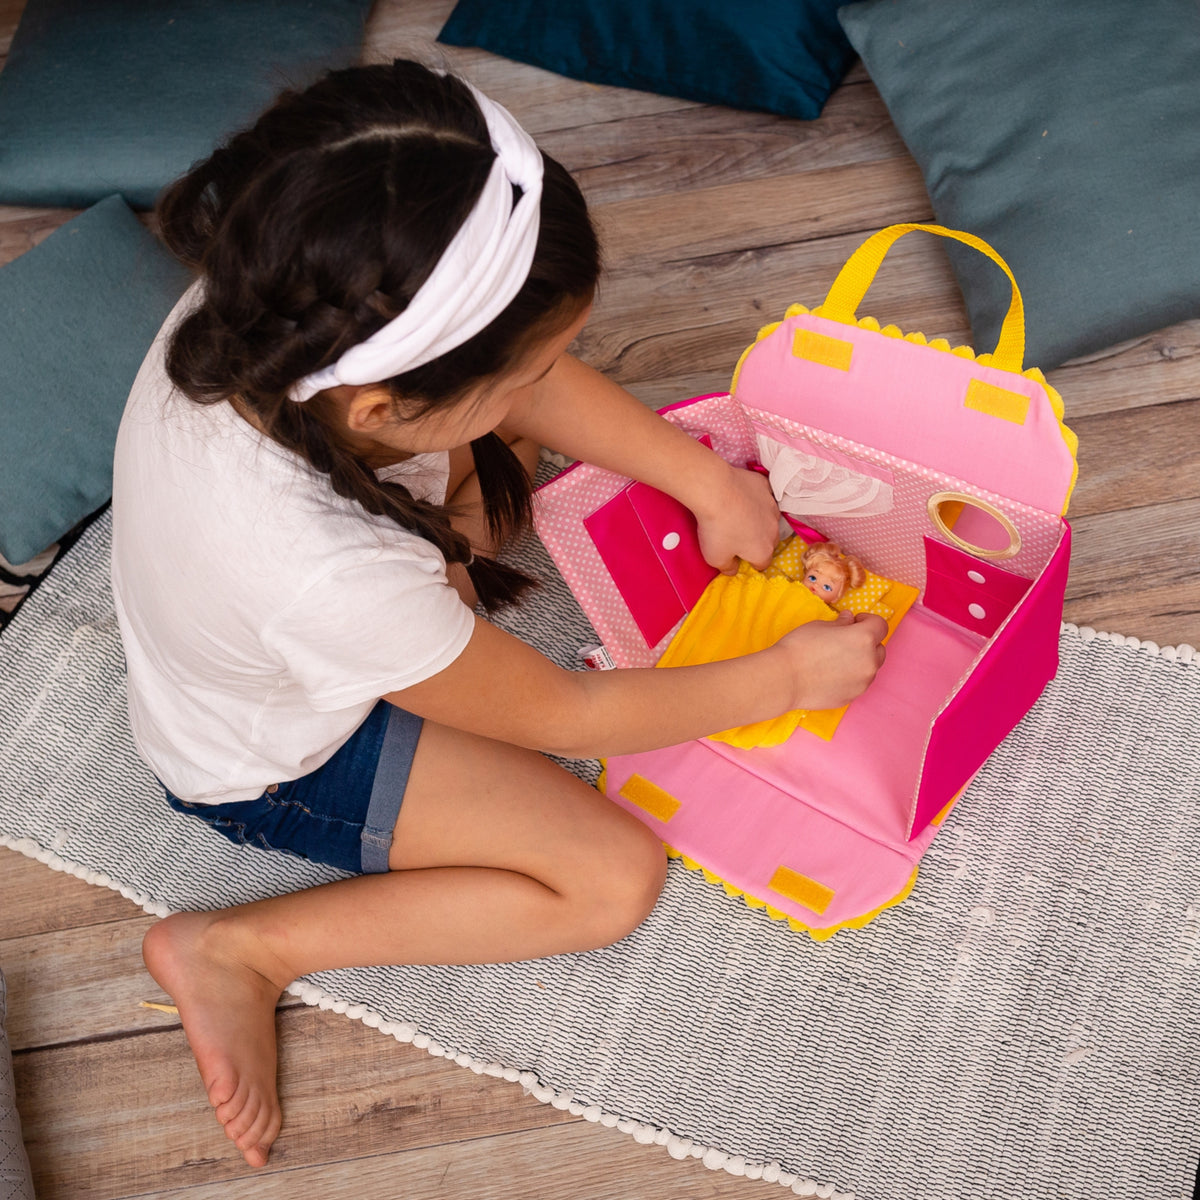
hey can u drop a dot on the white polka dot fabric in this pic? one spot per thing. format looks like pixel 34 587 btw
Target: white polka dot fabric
pixel 561 506
pixel 890 545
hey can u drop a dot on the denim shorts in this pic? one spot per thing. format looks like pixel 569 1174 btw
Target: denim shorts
pixel 343 813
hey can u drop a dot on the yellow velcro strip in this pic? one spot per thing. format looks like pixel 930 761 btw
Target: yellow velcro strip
pixel 823 349
pixel 800 888
pixel 637 789
pixel 997 401
pixel 819 934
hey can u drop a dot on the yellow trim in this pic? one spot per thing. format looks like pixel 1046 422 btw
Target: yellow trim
pixel 822 349
pixel 801 888
pixel 764 332
pixel 996 401
pixel 1069 436
pixel 818 934
pixel 647 795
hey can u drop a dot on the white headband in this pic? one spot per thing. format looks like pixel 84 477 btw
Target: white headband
pixel 481 271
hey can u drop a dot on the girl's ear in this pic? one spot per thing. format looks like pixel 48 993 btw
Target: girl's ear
pixel 368 407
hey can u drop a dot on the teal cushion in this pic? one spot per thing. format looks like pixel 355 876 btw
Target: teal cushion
pixel 782 56
pixel 103 96
pixel 1068 137
pixel 80 311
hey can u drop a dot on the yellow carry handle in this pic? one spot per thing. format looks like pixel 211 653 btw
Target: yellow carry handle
pixel 855 278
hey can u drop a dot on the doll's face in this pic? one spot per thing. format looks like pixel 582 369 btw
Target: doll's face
pixel 825 579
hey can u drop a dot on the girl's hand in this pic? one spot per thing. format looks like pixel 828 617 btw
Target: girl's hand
pixel 578 412
pixel 738 519
pixel 832 662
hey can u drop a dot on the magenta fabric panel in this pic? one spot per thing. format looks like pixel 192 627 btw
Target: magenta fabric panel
pixel 969 591
pixel 650 545
pixel 671 531
pixel 1000 690
pixel 640 578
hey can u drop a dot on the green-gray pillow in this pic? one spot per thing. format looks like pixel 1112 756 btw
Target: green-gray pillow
pixel 1067 136
pixel 103 96
pixel 80 311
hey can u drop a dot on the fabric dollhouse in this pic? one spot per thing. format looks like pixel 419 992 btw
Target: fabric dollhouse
pixel 948 474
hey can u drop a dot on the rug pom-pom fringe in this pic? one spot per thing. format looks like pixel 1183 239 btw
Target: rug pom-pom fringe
pixel 679 1148
pixel 48 857
pixel 1182 653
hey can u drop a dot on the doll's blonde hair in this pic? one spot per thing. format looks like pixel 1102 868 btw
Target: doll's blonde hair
pixel 852 570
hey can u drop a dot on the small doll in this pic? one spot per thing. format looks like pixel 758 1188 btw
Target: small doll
pixel 828 571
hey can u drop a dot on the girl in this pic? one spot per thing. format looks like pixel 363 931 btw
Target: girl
pixel 321 453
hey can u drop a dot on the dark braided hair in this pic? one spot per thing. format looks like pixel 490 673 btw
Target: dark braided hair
pixel 315 228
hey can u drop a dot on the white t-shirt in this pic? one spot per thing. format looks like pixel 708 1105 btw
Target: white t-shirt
pixel 262 615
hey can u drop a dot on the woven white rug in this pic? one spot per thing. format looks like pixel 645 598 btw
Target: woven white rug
pixel 1025 1025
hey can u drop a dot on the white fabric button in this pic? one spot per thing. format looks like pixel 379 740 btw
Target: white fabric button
pixel 670 541
pixel 976 610
pixel 975 577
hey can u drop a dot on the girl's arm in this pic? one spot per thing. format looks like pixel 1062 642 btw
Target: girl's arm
pixel 501 688
pixel 578 412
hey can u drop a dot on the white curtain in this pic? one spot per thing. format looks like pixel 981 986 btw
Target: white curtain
pixel 808 486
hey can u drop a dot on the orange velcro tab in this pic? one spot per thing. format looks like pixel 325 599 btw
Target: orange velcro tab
pixel 997 401
pixel 637 789
pixel 823 349
pixel 800 888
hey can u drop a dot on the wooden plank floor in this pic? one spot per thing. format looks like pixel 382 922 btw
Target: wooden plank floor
pixel 714 221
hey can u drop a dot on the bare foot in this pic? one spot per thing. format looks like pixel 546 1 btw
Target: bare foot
pixel 227 1007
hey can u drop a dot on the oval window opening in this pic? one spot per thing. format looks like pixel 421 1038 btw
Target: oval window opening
pixel 974 525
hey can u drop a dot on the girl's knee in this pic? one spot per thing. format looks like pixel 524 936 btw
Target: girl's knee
pixel 625 892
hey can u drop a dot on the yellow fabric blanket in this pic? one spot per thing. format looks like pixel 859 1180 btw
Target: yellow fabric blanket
pixel 740 614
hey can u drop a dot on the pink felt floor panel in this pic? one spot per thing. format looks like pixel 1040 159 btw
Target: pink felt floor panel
pixel 743 829
pixel 867 774
pixel 739 815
